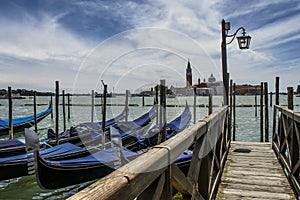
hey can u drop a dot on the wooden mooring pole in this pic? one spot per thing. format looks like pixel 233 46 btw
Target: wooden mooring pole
pixel 162 120
pixel 277 91
pixel 255 103
pixel 234 112
pixel 126 105
pixel 261 112
pixel 167 194
pixel 34 111
pixel 51 100
pixel 57 111
pixel 10 125
pixel 271 96
pixel 156 100
pixel 290 92
pixel 266 113
pixel 93 106
pixel 104 114
pixel 230 107
pixel 195 102
pixel 275 110
pixel 209 103
pixel 64 109
pixel 69 105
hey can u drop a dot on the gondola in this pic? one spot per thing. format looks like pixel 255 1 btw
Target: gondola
pixel 19 165
pixel 16 147
pixel 14 164
pixel 11 148
pixel 140 141
pixel 19 124
pixel 91 133
pixel 53 174
pixel 82 131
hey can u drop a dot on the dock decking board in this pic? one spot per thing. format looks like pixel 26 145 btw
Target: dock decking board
pixel 253 175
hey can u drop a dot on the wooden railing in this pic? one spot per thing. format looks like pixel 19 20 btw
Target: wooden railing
pixel 153 176
pixel 286 142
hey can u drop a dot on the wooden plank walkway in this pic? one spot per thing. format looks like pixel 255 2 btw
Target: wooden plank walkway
pixel 253 172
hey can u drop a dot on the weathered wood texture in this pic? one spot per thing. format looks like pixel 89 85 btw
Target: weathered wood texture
pixel 286 143
pixel 253 172
pixel 153 176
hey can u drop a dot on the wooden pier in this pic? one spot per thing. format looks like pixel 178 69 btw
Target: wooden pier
pixel 219 168
pixel 253 172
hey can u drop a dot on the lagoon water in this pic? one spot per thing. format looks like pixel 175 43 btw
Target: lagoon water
pixel 247 129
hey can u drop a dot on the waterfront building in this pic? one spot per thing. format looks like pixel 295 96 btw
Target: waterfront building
pixel 201 88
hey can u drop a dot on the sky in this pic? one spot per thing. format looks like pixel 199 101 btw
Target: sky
pixel 135 44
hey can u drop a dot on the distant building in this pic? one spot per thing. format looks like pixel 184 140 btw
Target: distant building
pixel 189 76
pixel 201 88
pixel 247 89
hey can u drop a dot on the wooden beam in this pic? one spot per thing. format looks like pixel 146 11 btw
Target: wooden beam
pixel 154 190
pixel 10 115
pixel 180 181
pixel 132 179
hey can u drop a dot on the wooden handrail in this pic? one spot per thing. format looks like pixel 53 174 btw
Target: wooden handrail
pixel 286 143
pixel 148 171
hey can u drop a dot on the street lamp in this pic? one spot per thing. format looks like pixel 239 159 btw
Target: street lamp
pixel 243 42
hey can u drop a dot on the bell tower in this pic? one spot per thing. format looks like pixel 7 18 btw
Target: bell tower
pixel 188 75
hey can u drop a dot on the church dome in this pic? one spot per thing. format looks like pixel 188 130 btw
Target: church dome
pixel 211 79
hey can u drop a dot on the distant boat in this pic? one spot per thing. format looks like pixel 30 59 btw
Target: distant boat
pixel 108 95
pixel 13 96
pixel 19 124
pixel 171 96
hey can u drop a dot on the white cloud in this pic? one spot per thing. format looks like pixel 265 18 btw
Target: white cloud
pixel 166 34
pixel 39 49
pixel 128 54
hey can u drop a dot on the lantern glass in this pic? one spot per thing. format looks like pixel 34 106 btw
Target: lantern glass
pixel 244 41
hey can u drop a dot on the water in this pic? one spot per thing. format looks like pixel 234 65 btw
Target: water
pixel 247 129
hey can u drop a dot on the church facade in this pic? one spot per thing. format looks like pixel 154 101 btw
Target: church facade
pixel 212 86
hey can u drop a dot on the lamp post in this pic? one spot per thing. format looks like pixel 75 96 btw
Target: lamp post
pixel 243 42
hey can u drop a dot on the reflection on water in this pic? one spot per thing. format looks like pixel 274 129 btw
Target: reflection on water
pixel 247 129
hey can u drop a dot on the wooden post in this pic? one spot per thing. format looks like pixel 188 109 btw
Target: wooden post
pixel 34 111
pixel 234 113
pixel 156 100
pixel 261 112
pixel 69 110
pixel 204 176
pixel 271 95
pixel 57 111
pixel 93 106
pixel 230 108
pixel 209 103
pixel 51 100
pixel 266 113
pixel 255 105
pixel 290 92
pixel 64 109
pixel 195 100
pixel 10 125
pixel 143 100
pixel 167 192
pixel 126 105
pixel 104 115
pixel 275 111
pixel 277 91
pixel 162 124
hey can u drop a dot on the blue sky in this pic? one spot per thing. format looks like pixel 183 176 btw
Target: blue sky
pixel 134 44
